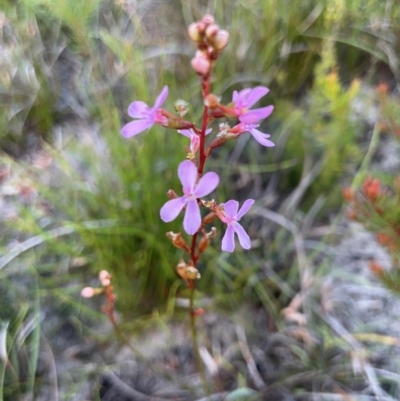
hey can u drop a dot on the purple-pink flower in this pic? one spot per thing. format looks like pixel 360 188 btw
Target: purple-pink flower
pixel 187 173
pixel 194 138
pixel 230 215
pixel 245 99
pixel 148 116
pixel 259 136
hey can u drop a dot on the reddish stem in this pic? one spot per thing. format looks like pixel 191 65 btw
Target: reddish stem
pixel 193 250
pixel 205 83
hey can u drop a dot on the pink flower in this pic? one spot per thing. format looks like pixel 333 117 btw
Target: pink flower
pixel 88 292
pixel 246 98
pixel 259 136
pixel 230 215
pixel 194 138
pixel 187 173
pixel 148 116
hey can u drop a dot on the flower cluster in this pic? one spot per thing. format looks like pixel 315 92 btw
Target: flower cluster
pixel 196 185
pixel 107 289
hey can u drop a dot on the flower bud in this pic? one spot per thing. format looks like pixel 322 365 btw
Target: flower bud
pixel 104 274
pixel 212 233
pixel 178 241
pixel 201 26
pixel 382 89
pixel 172 194
pixel 218 141
pixel 88 292
pixel 210 217
pixel 372 188
pixel 194 32
pixel 181 107
pixel 181 268
pixel 208 19
pixel 386 240
pixel 203 244
pixel 106 282
pixel 211 31
pixel 201 65
pixel 192 273
pixel 221 40
pixel 105 278
pixel 200 54
pixel 348 194
pixel 205 239
pixel 212 101
pixel 198 312
pixel 375 267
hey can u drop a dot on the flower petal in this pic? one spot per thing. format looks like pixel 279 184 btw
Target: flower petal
pixel 186 132
pixel 161 98
pixel 244 239
pixel 255 95
pixel 245 208
pixel 192 220
pixel 135 127
pixel 194 143
pixel 208 131
pixel 187 173
pixel 240 99
pixel 138 109
pixel 228 241
pixel 172 208
pixel 231 207
pixel 206 184
pixel 255 115
pixel 261 138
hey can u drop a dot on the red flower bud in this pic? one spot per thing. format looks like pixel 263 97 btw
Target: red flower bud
pixel 221 40
pixel 198 312
pixel 375 267
pixel 212 101
pixel 372 188
pixel 208 19
pixel 211 31
pixel 348 194
pixel 194 32
pixel 201 65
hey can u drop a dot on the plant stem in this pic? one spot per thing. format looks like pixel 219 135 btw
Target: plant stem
pixel 199 363
pixel 202 141
pixel 206 86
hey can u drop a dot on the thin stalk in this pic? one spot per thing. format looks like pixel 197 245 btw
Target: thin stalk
pixel 199 363
pixel 202 141
pixel 206 84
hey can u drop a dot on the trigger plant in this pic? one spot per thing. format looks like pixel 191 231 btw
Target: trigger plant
pixel 194 200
